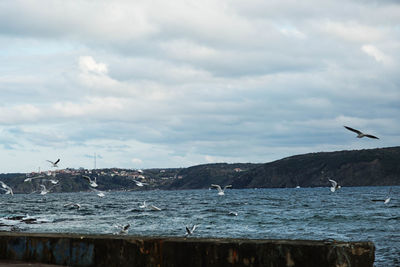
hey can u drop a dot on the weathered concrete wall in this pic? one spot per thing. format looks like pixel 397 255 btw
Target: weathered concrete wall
pixel 105 250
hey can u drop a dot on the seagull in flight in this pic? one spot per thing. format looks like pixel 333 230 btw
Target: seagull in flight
pixel 31 178
pixel 360 134
pixel 220 190
pixel 387 200
pixel 6 188
pixel 53 181
pixel 139 183
pixel 190 231
pixel 54 164
pixel 92 183
pixel 334 186
pixel 123 229
pixel 44 191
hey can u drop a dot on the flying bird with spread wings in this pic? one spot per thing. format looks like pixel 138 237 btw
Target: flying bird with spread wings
pixel 6 188
pixel 54 164
pixel 220 190
pixel 360 134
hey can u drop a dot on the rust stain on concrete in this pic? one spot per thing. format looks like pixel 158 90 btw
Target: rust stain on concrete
pixel 233 256
pixel 289 260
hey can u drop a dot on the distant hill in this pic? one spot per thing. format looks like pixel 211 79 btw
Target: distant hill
pixel 202 176
pixel 368 167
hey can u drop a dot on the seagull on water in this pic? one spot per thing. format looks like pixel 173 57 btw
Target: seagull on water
pixel 92 183
pixel 147 206
pixel 6 188
pixel 144 205
pixel 98 192
pixel 360 134
pixel 154 207
pixel 54 164
pixel 190 231
pixel 73 205
pixel 335 186
pixel 220 190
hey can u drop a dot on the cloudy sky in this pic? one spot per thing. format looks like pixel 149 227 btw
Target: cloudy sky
pixel 184 82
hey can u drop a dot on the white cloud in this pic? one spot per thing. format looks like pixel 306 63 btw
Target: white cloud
pixel 23 113
pixel 97 106
pixel 177 83
pixel 137 161
pixel 292 32
pixel 377 54
pixel 88 64
pixel 352 31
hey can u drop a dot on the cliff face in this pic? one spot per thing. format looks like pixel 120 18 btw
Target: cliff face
pixel 371 167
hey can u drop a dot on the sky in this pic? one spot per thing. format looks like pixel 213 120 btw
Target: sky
pixel 164 84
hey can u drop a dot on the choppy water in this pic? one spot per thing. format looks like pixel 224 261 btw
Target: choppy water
pixel 305 213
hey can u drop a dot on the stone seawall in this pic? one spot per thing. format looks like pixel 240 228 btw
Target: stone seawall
pixel 107 250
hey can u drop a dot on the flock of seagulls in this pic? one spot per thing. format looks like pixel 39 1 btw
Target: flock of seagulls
pixel 123 229
pixel 334 184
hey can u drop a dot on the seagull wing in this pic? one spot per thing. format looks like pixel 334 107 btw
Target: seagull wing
pixel 371 136
pixel 227 186
pixel 334 183
pixel 188 230
pixel 87 178
pixel 217 186
pixel 57 161
pixel 353 130
pixel 6 188
pixel 50 162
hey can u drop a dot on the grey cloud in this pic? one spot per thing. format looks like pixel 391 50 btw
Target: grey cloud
pixel 250 82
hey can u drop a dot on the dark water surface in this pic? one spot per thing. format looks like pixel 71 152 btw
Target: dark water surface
pixel 305 213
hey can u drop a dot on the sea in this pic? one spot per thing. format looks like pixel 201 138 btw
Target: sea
pixel 349 214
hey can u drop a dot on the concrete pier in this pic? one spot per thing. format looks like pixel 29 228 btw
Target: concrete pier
pixel 107 250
